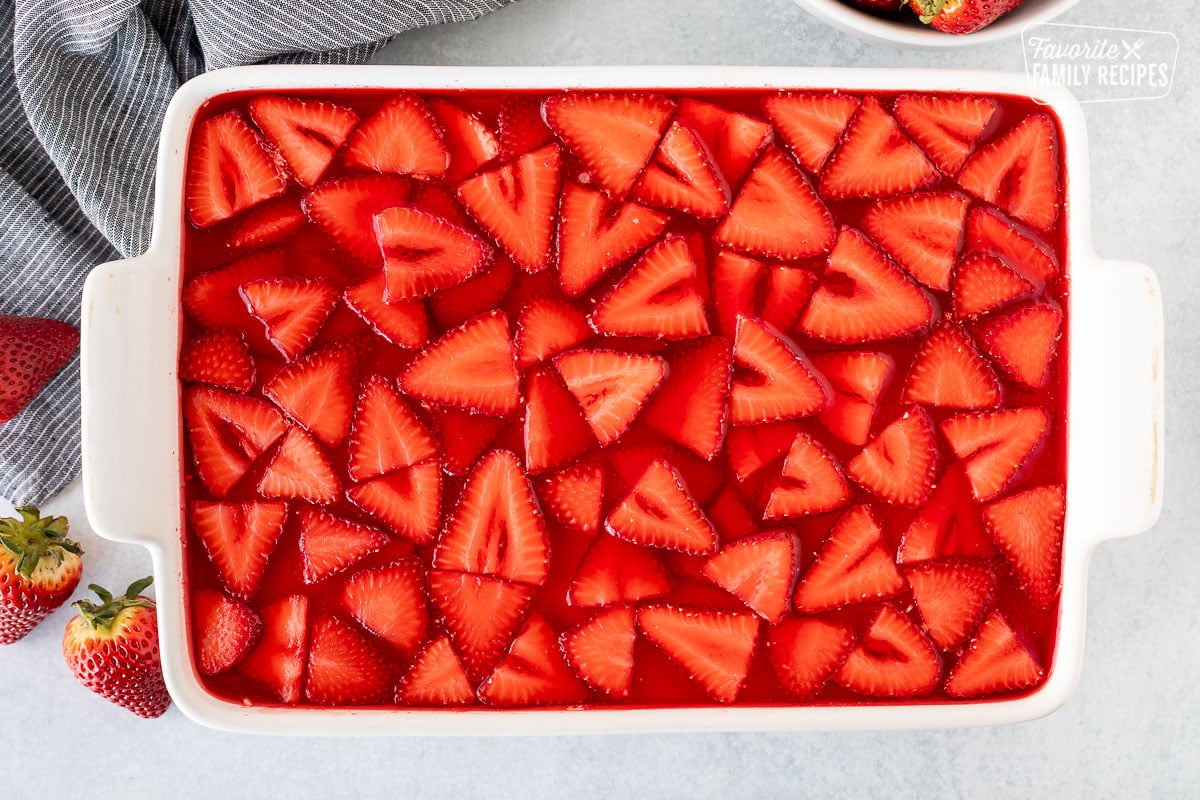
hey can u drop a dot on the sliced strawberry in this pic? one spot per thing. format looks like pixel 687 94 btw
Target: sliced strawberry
pixel 378 145
pixel 714 647
pixel 892 659
pixel 682 177
pixel 497 527
pixel 946 526
pixel 480 613
pixel 423 254
pixel 266 224
pixel 857 380
pixel 994 446
pixel 277 662
pixel 754 224
pixel 346 210
pixel 996 660
pixel 219 358
pixel 611 387
pixel 307 133
pixel 864 297
pixel 900 464
pixel 691 406
pixel 657 298
pixel 390 603
pixel 385 435
pixel 810 123
pixel 758 570
pixel 733 139
pixel 291 309
pixel 612 135
pixel 533 672
pixel 805 652
pixel 595 234
pixel 601 651
pixel 729 515
pixel 751 448
pixel 1023 341
pixel 520 127
pixel 468 140
pixel 853 566
pixel 922 232
pixel 659 511
pixel 239 539
pixel 1019 172
pixel 299 470
pixel 555 429
pixel 515 204
pixel 403 323
pixel 329 544
pixel 1028 528
pixel 546 328
pixel 811 482
pixel 471 367
pixel 951 597
pixel 344 667
pixel 228 171
pixel 463 436
pixel 616 572
pixel 772 379
pixel 211 298
pixel 473 297
pixel 875 158
pixel 983 283
pixel 949 372
pixel 575 496
pixel 317 391
pixel 437 678
pixel 407 501
pixel 736 288
pixel 989 231
pixel 946 126
pixel 788 292
pixel 224 631
pixel 227 433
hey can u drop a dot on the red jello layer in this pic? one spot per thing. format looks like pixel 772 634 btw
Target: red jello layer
pixel 274 232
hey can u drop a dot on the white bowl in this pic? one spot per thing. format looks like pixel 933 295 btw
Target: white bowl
pixel 911 34
pixel 132 439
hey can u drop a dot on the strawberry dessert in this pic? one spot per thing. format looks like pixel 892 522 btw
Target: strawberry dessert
pixel 623 398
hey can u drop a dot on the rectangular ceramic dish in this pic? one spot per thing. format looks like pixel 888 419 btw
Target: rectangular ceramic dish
pixel 132 445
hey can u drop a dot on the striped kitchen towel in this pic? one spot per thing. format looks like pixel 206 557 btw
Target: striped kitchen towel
pixel 83 88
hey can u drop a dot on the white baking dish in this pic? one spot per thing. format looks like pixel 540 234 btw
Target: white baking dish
pixel 132 445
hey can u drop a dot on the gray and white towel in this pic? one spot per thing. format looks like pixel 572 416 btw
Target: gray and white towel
pixel 84 85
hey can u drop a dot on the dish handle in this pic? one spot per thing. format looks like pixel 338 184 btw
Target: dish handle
pixel 130 400
pixel 1118 394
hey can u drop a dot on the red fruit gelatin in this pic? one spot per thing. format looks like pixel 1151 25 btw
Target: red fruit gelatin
pixel 638 398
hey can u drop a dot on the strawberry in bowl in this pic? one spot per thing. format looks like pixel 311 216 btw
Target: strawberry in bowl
pixel 935 24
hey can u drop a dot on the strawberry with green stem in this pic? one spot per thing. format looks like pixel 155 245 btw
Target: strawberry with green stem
pixel 39 569
pixel 111 647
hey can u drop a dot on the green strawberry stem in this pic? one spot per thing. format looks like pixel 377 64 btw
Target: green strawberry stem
pixel 100 616
pixel 32 538
pixel 930 9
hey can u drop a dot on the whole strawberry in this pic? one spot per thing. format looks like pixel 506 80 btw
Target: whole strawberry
pixel 39 569
pixel 961 16
pixel 112 649
pixel 32 351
